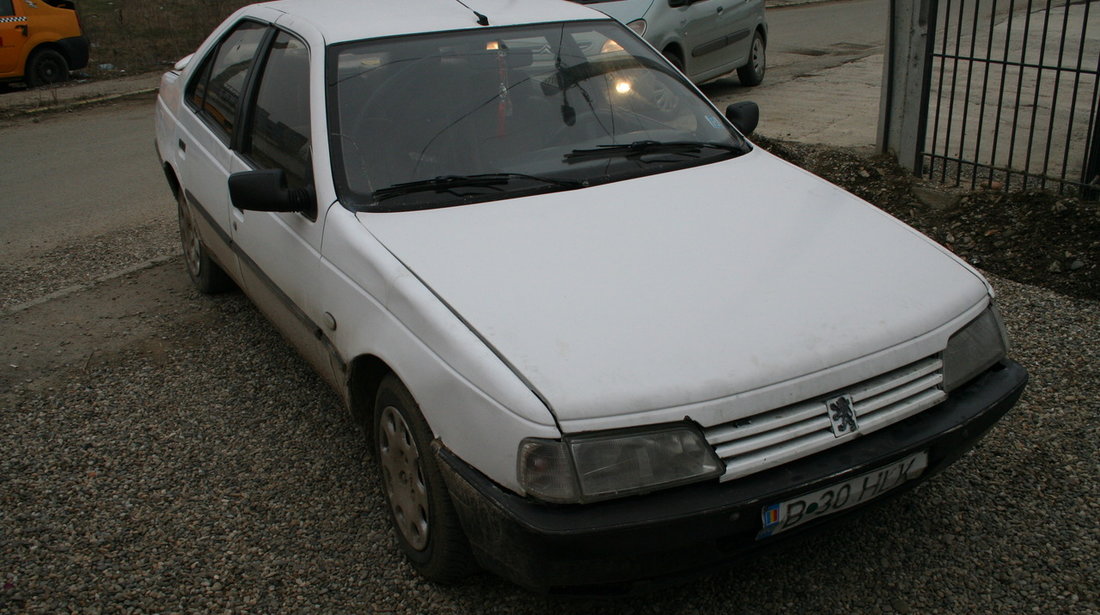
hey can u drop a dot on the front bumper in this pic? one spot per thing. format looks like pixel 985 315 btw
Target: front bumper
pixel 623 545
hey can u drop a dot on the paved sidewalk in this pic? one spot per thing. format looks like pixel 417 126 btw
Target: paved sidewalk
pixel 77 92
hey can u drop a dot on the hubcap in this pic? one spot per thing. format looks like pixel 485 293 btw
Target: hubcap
pixel 403 478
pixel 49 71
pixel 189 240
pixel 758 56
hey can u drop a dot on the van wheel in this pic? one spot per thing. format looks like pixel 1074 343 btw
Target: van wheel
pixel 420 508
pixel 46 66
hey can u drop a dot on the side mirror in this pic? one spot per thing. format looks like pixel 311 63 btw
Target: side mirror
pixel 266 190
pixel 744 116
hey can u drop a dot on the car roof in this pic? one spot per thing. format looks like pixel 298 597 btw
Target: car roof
pixel 348 20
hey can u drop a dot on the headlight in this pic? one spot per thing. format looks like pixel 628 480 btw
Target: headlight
pixel 638 26
pixel 599 466
pixel 974 349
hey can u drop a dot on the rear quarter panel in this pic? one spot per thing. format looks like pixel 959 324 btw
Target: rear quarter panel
pixel 167 109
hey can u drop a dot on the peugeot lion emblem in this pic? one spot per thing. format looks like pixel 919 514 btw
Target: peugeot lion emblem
pixel 842 414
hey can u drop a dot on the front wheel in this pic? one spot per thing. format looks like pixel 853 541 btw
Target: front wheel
pixel 420 508
pixel 46 66
pixel 752 73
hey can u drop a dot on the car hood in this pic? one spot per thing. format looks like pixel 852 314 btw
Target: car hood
pixel 680 287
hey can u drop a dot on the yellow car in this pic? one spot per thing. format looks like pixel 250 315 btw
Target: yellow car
pixel 40 41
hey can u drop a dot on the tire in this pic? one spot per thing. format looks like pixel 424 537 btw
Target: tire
pixel 753 73
pixel 420 508
pixel 207 276
pixel 46 66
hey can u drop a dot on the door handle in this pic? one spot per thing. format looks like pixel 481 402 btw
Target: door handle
pixel 22 29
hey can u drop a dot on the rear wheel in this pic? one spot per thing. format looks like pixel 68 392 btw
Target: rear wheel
pixel 753 73
pixel 421 512
pixel 46 66
pixel 204 272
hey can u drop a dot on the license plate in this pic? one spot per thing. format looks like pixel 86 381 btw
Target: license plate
pixel 834 498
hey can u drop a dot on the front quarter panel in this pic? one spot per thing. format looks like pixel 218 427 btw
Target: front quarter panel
pixel 473 402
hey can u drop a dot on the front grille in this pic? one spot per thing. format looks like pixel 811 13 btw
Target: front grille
pixel 771 438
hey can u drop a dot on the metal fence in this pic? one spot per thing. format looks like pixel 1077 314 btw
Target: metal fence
pixel 1013 95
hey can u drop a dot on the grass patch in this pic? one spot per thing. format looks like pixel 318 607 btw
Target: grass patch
pixel 134 36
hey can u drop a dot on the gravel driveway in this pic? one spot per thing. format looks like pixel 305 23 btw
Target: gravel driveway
pixel 191 462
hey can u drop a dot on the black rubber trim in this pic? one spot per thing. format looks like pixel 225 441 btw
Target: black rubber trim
pixel 198 206
pixel 719 43
pixel 689 529
pixel 246 260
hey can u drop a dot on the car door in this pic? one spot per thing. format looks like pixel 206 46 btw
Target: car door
pixel 279 252
pixel 13 33
pixel 741 18
pixel 213 94
pixel 704 35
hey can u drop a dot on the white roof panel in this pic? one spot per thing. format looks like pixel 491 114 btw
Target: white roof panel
pixel 348 20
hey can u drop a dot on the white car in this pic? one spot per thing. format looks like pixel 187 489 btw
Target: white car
pixel 594 338
pixel 705 39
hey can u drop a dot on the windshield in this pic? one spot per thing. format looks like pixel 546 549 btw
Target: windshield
pixel 460 117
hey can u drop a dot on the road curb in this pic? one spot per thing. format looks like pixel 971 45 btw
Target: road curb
pixel 79 102
pixel 76 288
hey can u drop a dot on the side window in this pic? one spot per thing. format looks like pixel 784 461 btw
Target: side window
pixel 196 90
pixel 216 91
pixel 279 135
pixel 6 8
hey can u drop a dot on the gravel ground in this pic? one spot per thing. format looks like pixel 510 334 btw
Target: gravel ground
pixel 213 471
pixel 84 262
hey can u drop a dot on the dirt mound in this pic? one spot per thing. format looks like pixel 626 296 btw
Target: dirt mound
pixel 1032 237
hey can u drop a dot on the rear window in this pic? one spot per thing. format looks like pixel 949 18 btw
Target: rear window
pixel 61 4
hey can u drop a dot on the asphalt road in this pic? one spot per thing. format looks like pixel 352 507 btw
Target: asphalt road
pixel 810 37
pixel 72 176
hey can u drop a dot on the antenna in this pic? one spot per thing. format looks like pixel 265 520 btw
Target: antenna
pixel 481 19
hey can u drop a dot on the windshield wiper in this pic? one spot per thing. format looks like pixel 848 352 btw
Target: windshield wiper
pixel 642 148
pixel 447 183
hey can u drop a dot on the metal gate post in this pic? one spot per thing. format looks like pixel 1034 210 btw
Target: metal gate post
pixel 906 80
